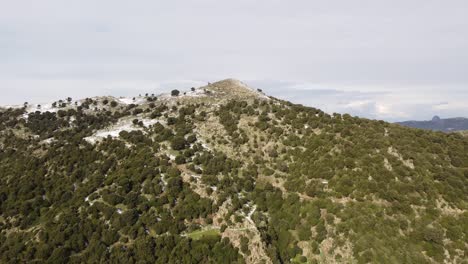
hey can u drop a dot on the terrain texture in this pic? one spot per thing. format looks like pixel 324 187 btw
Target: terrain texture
pixel 225 174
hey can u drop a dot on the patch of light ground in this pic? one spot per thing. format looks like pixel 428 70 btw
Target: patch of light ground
pixel 121 125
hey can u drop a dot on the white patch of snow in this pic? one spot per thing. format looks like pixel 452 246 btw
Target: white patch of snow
pixel 89 202
pixel 126 100
pixel 32 108
pixel 121 125
pixel 205 146
pixel 48 141
pixel 41 108
pixel 129 100
pixel 252 211
pixel 150 122
pixel 12 106
pixel 166 96
pixel 197 93
pixel 163 181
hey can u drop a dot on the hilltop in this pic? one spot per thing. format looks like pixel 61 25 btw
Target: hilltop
pixel 225 174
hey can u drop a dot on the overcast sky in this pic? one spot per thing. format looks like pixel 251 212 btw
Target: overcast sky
pixel 392 60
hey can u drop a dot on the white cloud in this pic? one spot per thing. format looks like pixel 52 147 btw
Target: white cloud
pixel 401 57
pixel 392 103
pixel 451 106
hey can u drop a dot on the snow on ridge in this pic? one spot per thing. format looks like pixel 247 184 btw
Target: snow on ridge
pixel 11 106
pixel 196 93
pixel 42 108
pixel 126 100
pixel 121 125
pixel 138 100
pixel 39 108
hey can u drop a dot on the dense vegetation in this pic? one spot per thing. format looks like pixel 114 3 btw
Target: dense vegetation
pixel 227 178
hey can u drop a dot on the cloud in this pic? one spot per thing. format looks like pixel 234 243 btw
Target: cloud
pixel 451 106
pixel 391 103
pixel 46 90
pixel 399 57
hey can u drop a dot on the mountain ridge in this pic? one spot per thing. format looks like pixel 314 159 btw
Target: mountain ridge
pixel 224 173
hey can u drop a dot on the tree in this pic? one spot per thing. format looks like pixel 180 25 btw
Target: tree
pixel 179 159
pixel 175 92
pixel 433 235
pixel 178 143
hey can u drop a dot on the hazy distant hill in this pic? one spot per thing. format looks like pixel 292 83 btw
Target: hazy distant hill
pixel 439 124
pixel 225 174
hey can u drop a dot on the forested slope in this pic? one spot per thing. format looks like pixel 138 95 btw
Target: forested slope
pixel 225 174
pixel 438 124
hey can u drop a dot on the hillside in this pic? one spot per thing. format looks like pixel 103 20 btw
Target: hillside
pixel 225 174
pixel 439 124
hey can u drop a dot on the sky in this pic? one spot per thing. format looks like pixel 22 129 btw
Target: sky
pixel 393 60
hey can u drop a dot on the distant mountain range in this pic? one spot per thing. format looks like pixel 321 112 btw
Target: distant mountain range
pixel 439 124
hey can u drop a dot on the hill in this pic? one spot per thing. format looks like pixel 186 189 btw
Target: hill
pixel 225 174
pixel 438 124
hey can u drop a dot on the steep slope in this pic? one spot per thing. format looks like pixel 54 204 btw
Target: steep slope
pixel 226 174
pixel 439 124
